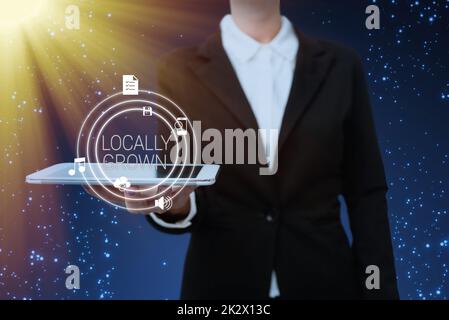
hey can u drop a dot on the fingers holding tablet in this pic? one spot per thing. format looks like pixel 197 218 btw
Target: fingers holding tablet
pixel 175 184
pixel 138 197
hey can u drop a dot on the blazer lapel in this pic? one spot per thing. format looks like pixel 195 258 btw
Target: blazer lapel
pixel 312 66
pixel 216 72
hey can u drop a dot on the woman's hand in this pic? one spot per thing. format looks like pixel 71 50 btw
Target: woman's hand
pixel 134 198
pixel 180 202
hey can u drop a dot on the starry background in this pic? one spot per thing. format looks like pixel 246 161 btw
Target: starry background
pixel 52 77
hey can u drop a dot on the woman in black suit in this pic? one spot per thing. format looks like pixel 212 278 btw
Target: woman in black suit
pixel 249 227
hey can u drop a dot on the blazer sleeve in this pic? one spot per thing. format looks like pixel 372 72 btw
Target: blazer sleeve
pixel 364 191
pixel 166 80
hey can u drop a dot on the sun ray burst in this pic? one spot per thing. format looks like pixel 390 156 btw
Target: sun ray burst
pixel 51 76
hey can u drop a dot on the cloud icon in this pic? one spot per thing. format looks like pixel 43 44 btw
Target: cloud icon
pixel 122 183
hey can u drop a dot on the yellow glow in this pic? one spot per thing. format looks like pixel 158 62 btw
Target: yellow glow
pixel 15 12
pixel 50 77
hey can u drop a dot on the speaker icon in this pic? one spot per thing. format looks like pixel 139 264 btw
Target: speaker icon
pixel 164 203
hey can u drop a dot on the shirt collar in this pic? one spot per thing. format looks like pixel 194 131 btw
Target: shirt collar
pixel 243 47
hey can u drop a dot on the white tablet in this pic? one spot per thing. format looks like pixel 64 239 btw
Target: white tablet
pixel 136 174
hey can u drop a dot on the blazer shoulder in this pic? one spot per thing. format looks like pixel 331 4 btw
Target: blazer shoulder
pixel 343 54
pixel 177 58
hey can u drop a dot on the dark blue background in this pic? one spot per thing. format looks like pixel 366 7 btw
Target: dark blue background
pixel 406 63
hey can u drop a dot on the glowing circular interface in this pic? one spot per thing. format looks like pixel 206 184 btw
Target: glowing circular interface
pixel 138 133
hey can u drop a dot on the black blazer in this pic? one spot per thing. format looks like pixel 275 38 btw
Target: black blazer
pixel 248 225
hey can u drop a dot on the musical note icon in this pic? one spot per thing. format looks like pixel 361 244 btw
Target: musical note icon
pixel 81 166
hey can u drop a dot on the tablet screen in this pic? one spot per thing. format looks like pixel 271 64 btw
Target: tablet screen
pixel 186 172
pixel 134 172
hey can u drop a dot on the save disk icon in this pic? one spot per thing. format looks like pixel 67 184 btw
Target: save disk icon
pixel 164 203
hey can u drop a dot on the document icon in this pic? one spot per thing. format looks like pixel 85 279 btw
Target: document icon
pixel 130 85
